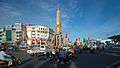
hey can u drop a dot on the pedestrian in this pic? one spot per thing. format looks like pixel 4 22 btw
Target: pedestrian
pixel 92 49
pixel 100 47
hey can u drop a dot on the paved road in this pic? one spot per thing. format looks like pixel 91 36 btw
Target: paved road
pixel 106 59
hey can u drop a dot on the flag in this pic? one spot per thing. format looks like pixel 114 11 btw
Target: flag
pixel 32 40
pixel 36 40
pixel 76 40
pixel 66 35
pixel 68 39
pixel 27 36
pixel 83 40
pixel 24 39
pixel 79 40
pixel 88 38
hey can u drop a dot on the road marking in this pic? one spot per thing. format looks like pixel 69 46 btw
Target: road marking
pixel 114 51
pixel 115 63
pixel 113 54
pixel 72 65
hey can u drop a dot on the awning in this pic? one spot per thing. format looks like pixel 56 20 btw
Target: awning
pixel 94 39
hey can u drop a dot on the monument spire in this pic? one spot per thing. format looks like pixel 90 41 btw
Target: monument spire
pixel 58 23
pixel 58 39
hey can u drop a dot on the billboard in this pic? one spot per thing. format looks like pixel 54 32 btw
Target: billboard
pixel 45 36
pixel 8 35
pixel 9 27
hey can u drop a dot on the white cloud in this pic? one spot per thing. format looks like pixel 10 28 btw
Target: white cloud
pixel 7 9
pixel 73 3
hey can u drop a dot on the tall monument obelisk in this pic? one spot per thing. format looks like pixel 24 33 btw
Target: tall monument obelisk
pixel 58 39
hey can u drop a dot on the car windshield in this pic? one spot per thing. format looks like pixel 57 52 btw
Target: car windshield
pixel 47 47
pixel 70 47
pixel 42 46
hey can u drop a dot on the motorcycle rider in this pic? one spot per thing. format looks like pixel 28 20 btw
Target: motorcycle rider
pixel 92 49
pixel 54 52
pixel 3 58
pixel 63 54
pixel 73 52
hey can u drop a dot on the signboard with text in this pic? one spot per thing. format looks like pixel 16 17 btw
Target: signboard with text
pixel 45 36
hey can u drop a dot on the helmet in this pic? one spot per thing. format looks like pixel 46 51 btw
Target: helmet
pixel 64 49
pixel 3 49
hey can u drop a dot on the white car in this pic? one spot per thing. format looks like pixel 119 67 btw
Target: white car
pixel 44 50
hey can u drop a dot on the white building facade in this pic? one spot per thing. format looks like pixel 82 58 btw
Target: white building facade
pixel 39 35
pixel 20 33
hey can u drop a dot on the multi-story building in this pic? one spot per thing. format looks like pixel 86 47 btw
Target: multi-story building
pixel 9 34
pixel 14 35
pixel 20 33
pixel 38 35
pixel 2 35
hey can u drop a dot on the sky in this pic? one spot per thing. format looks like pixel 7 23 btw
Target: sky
pixel 79 18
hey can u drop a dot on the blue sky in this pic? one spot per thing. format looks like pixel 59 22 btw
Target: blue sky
pixel 79 18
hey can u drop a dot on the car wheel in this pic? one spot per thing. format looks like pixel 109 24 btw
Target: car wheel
pixel 47 54
pixel 32 54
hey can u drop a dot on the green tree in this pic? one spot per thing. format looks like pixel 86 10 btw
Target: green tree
pixel 115 38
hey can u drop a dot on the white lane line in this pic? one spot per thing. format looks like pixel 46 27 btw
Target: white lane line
pixel 113 54
pixel 111 66
pixel 40 63
pixel 114 51
pixel 72 65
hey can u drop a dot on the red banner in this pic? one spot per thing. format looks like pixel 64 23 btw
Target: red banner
pixel 66 35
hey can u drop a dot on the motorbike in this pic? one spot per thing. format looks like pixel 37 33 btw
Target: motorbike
pixel 15 61
pixel 67 60
pixel 92 50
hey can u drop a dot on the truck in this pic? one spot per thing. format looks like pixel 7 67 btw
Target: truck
pixel 43 50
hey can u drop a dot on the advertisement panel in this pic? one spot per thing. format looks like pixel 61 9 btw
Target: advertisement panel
pixel 8 35
pixel 45 36
pixel 9 27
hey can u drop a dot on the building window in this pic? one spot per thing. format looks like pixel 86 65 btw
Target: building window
pixel 33 43
pixel 33 28
pixel 17 35
pixel 33 31
pixel 41 28
pixel 38 34
pixel 38 31
pixel 33 37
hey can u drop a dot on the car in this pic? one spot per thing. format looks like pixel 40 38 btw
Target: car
pixel 10 48
pixel 77 49
pixel 95 47
pixel 44 50
pixel 70 49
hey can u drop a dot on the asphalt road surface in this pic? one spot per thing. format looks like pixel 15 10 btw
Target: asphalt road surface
pixel 109 58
